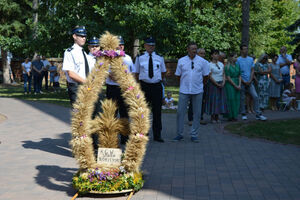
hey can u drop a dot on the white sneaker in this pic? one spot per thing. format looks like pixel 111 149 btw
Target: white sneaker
pixel 41 92
pixel 244 117
pixel 261 117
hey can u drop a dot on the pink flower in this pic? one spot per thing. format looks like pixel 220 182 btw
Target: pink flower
pixel 138 96
pixel 80 123
pixel 122 53
pixel 83 136
pixel 142 116
pixel 126 71
pixel 101 63
pixel 130 88
pixel 140 134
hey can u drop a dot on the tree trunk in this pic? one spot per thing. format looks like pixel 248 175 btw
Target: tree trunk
pixel 35 6
pixel 5 67
pixel 136 45
pixel 245 22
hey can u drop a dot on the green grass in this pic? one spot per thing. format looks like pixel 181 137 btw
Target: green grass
pixel 60 98
pixel 282 131
pixel 17 91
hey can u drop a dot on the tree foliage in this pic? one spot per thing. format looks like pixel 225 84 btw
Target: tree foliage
pixel 210 23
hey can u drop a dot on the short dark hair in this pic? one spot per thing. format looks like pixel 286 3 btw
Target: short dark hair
pixel 191 43
pixel 242 46
pixel 231 54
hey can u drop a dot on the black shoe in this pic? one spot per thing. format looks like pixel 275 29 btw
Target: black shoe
pixel 159 140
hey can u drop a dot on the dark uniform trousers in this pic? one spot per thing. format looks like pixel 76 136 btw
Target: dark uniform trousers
pixel 114 92
pixel 153 93
pixel 72 91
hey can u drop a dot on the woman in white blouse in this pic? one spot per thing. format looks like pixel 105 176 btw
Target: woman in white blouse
pixel 215 97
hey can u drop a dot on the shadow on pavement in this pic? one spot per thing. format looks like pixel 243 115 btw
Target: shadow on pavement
pixel 63 113
pixel 56 178
pixel 58 146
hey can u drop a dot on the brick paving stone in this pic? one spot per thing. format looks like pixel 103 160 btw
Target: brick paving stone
pixel 36 160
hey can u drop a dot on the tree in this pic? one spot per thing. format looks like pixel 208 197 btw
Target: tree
pixel 245 22
pixel 12 29
pixel 295 34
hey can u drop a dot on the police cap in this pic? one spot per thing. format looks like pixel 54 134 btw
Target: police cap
pixel 94 41
pixel 121 40
pixel 79 30
pixel 150 41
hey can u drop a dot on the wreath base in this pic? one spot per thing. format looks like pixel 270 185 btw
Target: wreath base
pixel 93 182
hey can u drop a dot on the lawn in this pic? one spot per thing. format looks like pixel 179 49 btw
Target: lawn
pixel 61 98
pixel 17 91
pixel 283 131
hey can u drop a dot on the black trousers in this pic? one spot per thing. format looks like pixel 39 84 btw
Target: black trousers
pixel 153 93
pixel 45 76
pixel 114 92
pixel 72 91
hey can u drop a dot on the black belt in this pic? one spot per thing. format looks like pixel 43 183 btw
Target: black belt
pixel 143 82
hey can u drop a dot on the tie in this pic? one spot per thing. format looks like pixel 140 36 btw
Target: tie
pixel 86 64
pixel 150 65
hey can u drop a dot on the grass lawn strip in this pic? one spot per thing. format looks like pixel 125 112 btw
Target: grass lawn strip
pixel 282 131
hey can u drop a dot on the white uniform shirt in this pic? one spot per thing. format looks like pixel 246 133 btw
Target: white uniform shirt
pixel 217 71
pixel 191 80
pixel 91 60
pixel 26 66
pixel 46 64
pixel 127 61
pixel 74 61
pixel 141 67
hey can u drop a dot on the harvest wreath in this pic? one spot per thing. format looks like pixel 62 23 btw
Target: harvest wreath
pixel 96 177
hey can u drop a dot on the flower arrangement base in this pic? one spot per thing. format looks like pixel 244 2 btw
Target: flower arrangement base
pixel 114 181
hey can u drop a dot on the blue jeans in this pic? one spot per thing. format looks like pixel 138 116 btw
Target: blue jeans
pixel 27 79
pixel 181 111
pixel 252 92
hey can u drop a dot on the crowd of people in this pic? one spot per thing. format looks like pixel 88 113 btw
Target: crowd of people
pixel 38 70
pixel 225 86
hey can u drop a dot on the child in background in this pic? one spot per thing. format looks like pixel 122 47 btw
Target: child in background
pixel 169 102
pixel 56 82
pixel 288 97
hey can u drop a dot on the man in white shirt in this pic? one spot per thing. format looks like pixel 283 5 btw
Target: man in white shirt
pixel 113 90
pixel 75 62
pixel 150 69
pixel 45 73
pixel 192 70
pixel 93 46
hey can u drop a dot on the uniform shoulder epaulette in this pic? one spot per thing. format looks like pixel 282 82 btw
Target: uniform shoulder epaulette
pixel 70 49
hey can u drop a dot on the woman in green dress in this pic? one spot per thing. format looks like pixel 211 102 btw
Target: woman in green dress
pixel 232 87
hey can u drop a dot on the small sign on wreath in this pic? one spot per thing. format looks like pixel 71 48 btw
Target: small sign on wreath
pixel 109 156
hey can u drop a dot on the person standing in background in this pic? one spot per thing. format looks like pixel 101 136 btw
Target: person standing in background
pixel 284 61
pixel 26 68
pixel 37 68
pixel 45 73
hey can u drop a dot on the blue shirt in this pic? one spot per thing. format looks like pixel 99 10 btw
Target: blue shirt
pixel 285 70
pixel 246 64
pixel 37 64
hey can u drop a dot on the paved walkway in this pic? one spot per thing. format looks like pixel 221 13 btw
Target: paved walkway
pixel 36 161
